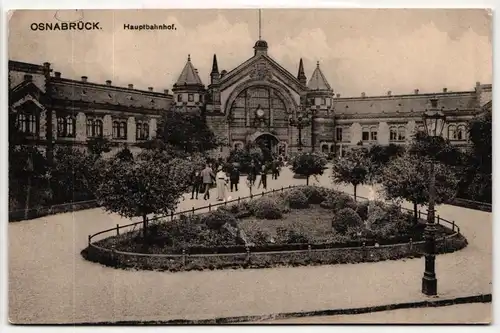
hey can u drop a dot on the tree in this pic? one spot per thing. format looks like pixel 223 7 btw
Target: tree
pixel 407 177
pixel 187 131
pixel 309 164
pixel 98 145
pixel 151 184
pixel 352 169
pixel 73 176
pixel 380 156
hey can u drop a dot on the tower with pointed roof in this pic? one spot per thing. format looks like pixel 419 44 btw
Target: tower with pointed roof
pixel 189 90
pixel 301 76
pixel 319 92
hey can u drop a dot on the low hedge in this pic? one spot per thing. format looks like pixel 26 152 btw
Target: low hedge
pixel 326 256
pixel 21 215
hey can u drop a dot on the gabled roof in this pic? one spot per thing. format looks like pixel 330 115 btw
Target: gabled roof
pixel 25 88
pixel 235 72
pixel 318 80
pixel 189 75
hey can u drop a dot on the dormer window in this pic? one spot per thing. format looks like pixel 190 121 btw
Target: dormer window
pixel 152 101
pixel 130 98
pixel 190 98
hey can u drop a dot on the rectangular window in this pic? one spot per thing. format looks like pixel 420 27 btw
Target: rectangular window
pixel 190 98
pixel 338 134
pixel 366 136
pixel 179 98
pixel 373 135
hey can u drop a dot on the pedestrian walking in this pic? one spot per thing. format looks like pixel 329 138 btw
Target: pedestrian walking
pixel 275 169
pixel 263 178
pixel 221 181
pixel 252 173
pixel 207 176
pixel 196 184
pixel 234 178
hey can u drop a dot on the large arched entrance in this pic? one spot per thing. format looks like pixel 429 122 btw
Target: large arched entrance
pixel 269 143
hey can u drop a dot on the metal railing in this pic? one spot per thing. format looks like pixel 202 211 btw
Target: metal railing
pixel 193 210
pixel 411 245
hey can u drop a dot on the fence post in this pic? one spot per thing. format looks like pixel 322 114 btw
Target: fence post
pixel 117 229
pixel 444 243
pixel 171 216
pixel 183 257
pixel 209 207
pixel 411 244
pixel 192 210
pixel 238 199
pixel 309 250
pixel 364 249
pixel 248 254
pixel 262 193
pixel 438 219
pixel 453 226
pixel 281 188
pixel 419 214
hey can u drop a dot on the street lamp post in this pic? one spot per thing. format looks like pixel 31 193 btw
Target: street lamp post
pixel 300 122
pixel 434 121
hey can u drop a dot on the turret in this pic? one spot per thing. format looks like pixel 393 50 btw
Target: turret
pixel 301 76
pixel 214 74
pixel 188 90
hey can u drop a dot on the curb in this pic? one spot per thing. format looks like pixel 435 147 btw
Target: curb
pixel 483 298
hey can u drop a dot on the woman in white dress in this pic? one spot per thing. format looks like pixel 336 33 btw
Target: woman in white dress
pixel 221 181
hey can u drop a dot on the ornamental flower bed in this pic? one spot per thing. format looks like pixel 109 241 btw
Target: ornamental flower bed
pixel 310 220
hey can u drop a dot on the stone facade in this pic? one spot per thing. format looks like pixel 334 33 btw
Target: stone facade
pixel 257 100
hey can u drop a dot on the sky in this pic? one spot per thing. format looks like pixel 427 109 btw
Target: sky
pixel 359 50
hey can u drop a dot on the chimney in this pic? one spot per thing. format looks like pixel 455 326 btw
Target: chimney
pixel 108 82
pixel 363 95
pixel 150 88
pixel 28 77
pixel 445 90
pixel 84 79
pixel 57 75
pixel 338 95
pixel 165 91
pixel 416 91
pixel 131 86
pixel 389 93
pixel 434 102
pixel 478 84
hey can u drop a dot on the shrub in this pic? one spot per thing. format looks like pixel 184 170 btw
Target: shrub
pixel 266 208
pixel 315 195
pixel 215 220
pixel 290 236
pixel 346 218
pixel 296 199
pixel 259 237
pixel 337 200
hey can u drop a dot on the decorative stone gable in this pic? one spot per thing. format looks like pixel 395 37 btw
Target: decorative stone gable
pixel 261 71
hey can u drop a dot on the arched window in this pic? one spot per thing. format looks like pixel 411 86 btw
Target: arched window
pixel 70 126
pixel 324 148
pixel 452 132
pixel 21 122
pixel 461 133
pixel 60 126
pixel 393 133
pixel 401 133
pixel 244 108
pixel 98 128
pixel 116 130
pixel 145 131
pixel 138 131
pixel 32 124
pixel 90 127
pixel 365 134
pixel 123 130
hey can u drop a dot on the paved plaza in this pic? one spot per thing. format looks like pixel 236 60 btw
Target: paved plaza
pixel 49 281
